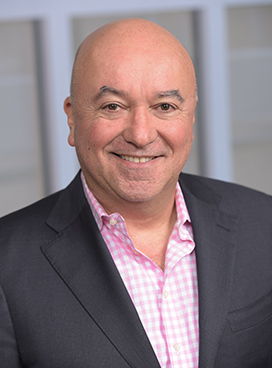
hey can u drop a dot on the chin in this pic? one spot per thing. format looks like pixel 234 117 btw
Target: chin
pixel 140 194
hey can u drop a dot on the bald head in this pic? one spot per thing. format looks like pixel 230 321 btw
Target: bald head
pixel 126 38
pixel 133 101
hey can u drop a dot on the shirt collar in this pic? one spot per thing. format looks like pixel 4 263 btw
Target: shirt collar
pixel 99 212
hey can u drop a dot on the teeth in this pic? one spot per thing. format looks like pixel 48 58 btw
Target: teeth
pixel 137 159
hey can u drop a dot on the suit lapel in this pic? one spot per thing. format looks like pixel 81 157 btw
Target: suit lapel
pixel 214 235
pixel 80 257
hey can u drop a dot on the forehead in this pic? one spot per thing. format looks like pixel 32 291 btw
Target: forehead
pixel 124 68
pixel 122 59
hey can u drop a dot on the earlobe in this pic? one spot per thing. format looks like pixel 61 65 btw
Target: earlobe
pixel 70 119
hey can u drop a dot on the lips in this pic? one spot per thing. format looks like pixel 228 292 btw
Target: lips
pixel 136 159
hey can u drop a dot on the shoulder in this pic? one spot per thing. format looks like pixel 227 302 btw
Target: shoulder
pixel 33 221
pixel 228 197
pixel 43 207
pixel 31 214
pixel 198 184
pixel 23 232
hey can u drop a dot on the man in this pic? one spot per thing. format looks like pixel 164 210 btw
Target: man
pixel 133 264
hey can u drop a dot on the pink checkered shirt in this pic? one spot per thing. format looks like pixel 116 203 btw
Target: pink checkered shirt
pixel 167 302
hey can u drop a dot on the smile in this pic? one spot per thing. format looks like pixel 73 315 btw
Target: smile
pixel 137 159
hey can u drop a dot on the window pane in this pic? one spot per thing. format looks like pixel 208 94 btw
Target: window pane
pixel 21 170
pixel 250 47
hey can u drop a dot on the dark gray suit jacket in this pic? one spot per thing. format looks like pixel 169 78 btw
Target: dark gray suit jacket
pixel 64 305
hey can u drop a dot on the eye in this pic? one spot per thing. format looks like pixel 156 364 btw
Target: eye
pixel 166 107
pixel 111 107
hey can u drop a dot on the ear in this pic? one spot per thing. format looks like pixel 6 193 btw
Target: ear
pixel 193 138
pixel 70 119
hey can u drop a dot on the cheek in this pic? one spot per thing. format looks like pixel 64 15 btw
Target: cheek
pixel 181 137
pixel 181 144
pixel 87 136
pixel 92 139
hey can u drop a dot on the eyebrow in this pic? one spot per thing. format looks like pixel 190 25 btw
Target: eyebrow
pixel 110 90
pixel 171 93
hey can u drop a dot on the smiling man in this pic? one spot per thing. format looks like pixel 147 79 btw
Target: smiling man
pixel 131 114
pixel 136 264
pixel 131 118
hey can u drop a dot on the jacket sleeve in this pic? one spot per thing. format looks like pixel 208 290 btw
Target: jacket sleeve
pixel 9 355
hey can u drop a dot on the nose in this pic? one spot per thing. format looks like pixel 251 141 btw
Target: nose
pixel 140 129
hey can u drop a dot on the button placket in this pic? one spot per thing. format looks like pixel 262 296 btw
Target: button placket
pixel 177 348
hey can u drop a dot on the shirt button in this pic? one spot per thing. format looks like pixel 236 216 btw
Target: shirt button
pixel 165 294
pixel 113 222
pixel 177 347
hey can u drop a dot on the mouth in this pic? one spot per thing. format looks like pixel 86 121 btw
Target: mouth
pixel 140 160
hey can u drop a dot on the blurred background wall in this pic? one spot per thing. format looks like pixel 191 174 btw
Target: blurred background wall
pixel 230 42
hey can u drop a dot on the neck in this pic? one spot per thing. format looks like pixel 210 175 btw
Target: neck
pixel 150 225
pixel 151 236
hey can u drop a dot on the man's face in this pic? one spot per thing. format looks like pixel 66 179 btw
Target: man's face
pixel 132 122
